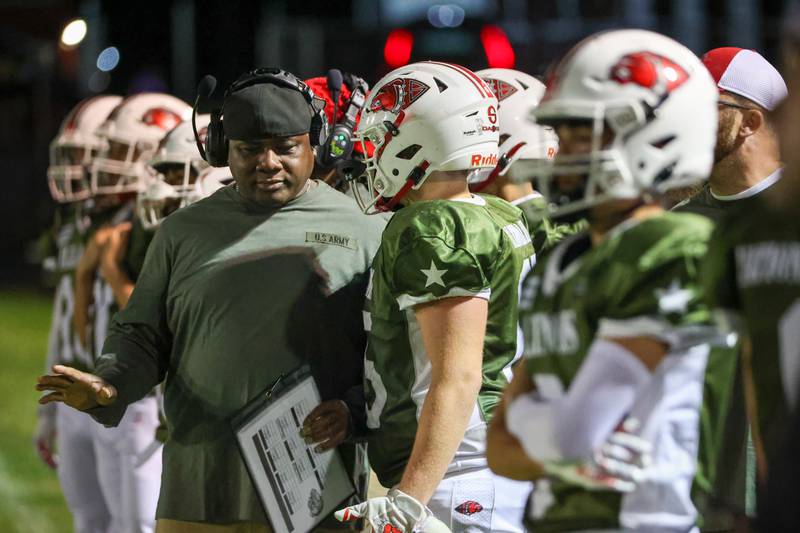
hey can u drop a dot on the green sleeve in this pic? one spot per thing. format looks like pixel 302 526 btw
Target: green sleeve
pixel 428 268
pixel 136 351
pixel 545 232
pixel 659 297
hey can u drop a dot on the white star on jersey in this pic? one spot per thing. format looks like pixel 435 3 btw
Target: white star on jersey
pixel 433 275
pixel 673 299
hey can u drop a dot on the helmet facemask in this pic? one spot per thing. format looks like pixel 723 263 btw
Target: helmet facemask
pixel 120 165
pixel 167 188
pixel 68 172
pixel 379 135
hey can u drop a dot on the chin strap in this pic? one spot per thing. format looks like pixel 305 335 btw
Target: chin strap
pixel 414 178
pixel 502 163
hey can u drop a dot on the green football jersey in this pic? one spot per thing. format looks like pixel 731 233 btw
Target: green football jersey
pixel 642 280
pixel 432 250
pixel 753 270
pixel 545 232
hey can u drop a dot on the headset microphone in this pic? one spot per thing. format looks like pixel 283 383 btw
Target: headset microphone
pixel 204 91
pixel 335 82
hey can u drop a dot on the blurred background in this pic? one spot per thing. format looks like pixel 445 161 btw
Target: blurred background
pixel 54 53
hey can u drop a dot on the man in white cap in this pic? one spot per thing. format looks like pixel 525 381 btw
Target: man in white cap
pixel 747 156
pixel 746 162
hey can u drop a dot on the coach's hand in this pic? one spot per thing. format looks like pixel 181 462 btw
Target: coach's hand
pixel 328 424
pixel 77 389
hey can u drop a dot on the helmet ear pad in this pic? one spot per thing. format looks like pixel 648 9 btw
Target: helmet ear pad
pixel 216 142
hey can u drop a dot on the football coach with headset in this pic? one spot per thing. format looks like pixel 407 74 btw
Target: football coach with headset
pixel 235 291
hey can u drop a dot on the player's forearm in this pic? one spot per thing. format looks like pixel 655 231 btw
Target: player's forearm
pixel 443 421
pixel 121 285
pixel 505 454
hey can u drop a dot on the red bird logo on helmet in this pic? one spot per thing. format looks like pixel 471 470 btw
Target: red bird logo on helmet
pixel 469 507
pixel 501 89
pixel 162 118
pixel 649 70
pixel 397 95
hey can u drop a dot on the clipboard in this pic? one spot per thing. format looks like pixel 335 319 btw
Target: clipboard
pixel 297 486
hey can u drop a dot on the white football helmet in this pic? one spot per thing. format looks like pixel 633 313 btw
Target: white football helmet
pixel 421 118
pixel 655 97
pixel 75 146
pixel 520 139
pixel 158 199
pixel 131 135
pixel 179 149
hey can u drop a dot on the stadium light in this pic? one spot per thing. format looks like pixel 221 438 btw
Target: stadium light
pixel 73 33
pixel 446 16
pixel 108 59
pixel 497 47
pixel 397 51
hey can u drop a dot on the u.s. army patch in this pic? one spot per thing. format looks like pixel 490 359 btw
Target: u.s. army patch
pixel 330 238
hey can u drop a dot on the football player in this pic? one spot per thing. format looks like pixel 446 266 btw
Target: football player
pixel 442 302
pixel 171 180
pixel 69 431
pixel 522 144
pixel 130 454
pixel 616 333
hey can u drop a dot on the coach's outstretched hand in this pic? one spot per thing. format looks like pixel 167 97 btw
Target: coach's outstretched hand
pixel 77 389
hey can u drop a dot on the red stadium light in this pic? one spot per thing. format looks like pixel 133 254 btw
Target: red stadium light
pixel 397 51
pixel 497 47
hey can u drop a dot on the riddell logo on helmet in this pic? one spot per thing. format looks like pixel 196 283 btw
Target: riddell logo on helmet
pixel 478 160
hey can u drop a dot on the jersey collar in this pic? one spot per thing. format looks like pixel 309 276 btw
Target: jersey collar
pixel 752 191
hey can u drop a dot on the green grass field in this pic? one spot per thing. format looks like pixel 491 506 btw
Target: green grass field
pixel 30 496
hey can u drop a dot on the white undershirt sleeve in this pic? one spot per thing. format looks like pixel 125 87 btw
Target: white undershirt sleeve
pixel 576 424
pixel 601 394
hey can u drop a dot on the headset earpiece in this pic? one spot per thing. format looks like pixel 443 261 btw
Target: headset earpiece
pixel 336 148
pixel 216 142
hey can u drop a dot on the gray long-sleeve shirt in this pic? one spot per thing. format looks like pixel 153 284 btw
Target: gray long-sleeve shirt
pixel 231 296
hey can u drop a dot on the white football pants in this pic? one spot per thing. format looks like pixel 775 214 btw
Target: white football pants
pixel 478 500
pixel 77 470
pixel 129 467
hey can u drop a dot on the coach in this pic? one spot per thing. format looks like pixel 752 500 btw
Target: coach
pixel 236 289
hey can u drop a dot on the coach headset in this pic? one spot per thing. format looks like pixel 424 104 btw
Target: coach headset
pixel 337 149
pixel 216 145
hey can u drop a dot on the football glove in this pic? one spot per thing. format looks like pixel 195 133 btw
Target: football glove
pixel 396 512
pixel 619 465
pixel 44 440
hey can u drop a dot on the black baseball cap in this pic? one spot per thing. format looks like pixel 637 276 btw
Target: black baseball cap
pixel 266 110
